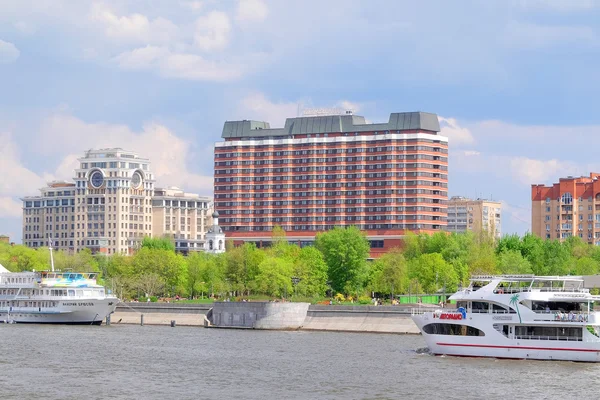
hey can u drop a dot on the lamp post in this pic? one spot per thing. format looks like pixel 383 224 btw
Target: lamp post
pixel 295 281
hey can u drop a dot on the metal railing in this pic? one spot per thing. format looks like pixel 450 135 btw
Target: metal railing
pixel 538 337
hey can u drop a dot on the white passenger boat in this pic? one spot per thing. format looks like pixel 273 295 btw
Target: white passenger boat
pixel 53 297
pixel 516 316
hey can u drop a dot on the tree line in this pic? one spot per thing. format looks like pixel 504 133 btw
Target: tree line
pixel 337 263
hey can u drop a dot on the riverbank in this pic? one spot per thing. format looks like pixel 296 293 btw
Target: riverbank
pixel 336 318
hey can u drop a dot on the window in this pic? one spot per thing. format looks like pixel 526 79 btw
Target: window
pixel 452 329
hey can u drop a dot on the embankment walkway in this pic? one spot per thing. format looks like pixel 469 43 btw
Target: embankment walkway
pixel 377 319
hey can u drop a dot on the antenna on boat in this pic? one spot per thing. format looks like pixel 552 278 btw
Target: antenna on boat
pixel 50 248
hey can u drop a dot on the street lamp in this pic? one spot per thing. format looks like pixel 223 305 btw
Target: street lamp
pixel 295 281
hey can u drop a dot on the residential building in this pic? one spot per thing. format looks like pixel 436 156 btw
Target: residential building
pixel 50 216
pixel 478 215
pixel 181 216
pixel 319 172
pixel 4 239
pixel 111 206
pixel 568 208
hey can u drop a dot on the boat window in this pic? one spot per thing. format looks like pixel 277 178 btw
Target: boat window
pixel 452 329
pixel 479 307
pixel 554 306
pixel 548 333
pixel 71 292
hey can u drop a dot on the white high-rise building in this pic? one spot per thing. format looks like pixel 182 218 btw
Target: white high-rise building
pixel 108 209
pixel 113 200
pixel 111 206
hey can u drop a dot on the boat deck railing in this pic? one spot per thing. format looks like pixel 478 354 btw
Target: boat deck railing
pixel 537 337
pixel 504 290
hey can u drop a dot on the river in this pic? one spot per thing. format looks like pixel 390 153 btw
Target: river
pixel 159 362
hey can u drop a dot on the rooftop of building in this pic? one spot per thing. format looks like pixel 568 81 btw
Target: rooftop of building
pixel 343 123
pixel 60 184
pixel 112 152
pixel 463 199
pixel 174 191
pixel 576 179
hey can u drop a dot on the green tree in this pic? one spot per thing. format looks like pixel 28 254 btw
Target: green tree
pixel 584 266
pixel 274 277
pixel 311 268
pixel 345 251
pixel 512 262
pixel 197 263
pixel 160 243
pixel 392 275
pixel 433 273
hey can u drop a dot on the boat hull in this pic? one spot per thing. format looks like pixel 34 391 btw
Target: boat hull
pixel 88 312
pixel 495 345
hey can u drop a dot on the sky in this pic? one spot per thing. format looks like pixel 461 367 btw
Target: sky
pixel 515 84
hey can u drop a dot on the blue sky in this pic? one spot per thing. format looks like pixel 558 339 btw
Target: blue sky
pixel 514 82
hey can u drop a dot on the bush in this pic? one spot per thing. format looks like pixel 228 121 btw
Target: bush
pixel 364 300
pixel 153 299
pixel 340 297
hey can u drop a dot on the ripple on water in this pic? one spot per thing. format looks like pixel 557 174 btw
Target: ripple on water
pixel 150 362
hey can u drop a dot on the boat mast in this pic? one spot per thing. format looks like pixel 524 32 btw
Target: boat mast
pixel 50 248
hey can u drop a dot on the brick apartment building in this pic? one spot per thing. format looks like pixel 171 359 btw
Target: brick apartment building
pixel 568 208
pixel 318 172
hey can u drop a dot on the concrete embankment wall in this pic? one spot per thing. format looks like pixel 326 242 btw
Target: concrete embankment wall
pixel 379 319
pixel 258 315
pixel 160 313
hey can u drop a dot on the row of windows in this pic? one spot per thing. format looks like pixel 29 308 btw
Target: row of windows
pixel 324 160
pixel 252 210
pixel 231 171
pixel 335 176
pixel 376 149
pixel 370 142
pixel 226 221
pixel 330 185
pixel 313 228
pixel 380 200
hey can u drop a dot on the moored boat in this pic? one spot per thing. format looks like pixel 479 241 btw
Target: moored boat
pixel 53 297
pixel 516 316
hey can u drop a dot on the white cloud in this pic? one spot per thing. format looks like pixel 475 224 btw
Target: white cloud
pixel 531 171
pixel 212 31
pixel 257 106
pixel 251 10
pixel 19 180
pixel 349 106
pixel 471 153
pixel 9 207
pixel 193 5
pixel 8 52
pixel 169 155
pixel 26 28
pixel 136 28
pixel 178 65
pixel 457 135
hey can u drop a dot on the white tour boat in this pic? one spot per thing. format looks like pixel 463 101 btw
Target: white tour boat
pixel 53 297
pixel 516 316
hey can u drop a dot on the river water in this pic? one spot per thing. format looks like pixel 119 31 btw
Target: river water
pixel 159 362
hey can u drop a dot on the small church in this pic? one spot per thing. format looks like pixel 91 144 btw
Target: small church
pixel 215 238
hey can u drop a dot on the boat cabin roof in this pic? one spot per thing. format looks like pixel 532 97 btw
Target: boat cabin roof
pixel 68 275
pixel 525 278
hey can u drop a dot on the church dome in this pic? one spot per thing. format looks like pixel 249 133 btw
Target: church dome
pixel 215 214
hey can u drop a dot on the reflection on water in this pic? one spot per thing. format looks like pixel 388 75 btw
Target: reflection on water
pixel 150 362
